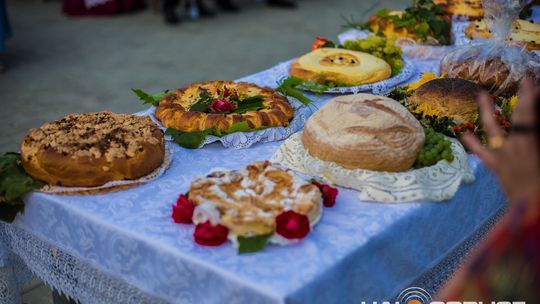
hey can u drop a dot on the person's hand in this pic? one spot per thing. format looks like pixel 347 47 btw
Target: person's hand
pixel 515 159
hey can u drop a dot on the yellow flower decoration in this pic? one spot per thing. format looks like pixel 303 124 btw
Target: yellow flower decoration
pixel 425 78
pixel 426 110
pixel 513 102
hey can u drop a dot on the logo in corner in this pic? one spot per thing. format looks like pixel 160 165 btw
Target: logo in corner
pixel 414 295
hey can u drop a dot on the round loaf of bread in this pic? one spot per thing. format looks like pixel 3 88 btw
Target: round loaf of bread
pixel 91 149
pixel 364 131
pixel 341 67
pixel 451 97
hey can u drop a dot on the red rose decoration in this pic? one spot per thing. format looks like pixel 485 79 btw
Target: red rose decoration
pixel 329 194
pixel 221 106
pixel 182 212
pixel 226 91
pixel 319 43
pixel 207 234
pixel 292 225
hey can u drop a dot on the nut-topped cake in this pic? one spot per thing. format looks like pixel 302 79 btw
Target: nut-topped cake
pixel 91 149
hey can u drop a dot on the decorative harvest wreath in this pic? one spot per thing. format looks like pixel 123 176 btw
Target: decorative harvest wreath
pixel 222 104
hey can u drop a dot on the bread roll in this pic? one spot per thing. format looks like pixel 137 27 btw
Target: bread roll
pixel 91 149
pixel 364 131
pixel 452 97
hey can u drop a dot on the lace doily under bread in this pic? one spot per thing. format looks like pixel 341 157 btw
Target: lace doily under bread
pixel 436 183
pixel 113 186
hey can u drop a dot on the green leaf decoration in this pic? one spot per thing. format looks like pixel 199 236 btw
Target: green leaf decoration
pixel 150 99
pixel 288 88
pixel 424 17
pixel 313 86
pixel 14 183
pixel 204 102
pixel 253 103
pixel 190 140
pixel 193 140
pixel 253 243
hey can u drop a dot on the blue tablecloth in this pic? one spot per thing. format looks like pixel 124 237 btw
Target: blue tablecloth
pixel 358 251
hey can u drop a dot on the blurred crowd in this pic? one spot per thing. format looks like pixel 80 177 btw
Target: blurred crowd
pixel 172 10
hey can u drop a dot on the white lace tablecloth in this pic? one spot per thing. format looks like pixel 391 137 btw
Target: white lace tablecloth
pixel 124 248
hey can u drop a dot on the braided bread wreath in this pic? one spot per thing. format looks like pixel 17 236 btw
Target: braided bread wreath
pixel 174 109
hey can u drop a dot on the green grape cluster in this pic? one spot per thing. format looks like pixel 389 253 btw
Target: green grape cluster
pixel 436 148
pixel 381 47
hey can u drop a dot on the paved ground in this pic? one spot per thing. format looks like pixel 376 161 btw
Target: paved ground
pixel 60 65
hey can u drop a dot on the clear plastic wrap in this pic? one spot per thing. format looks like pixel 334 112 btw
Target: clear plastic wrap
pixel 498 64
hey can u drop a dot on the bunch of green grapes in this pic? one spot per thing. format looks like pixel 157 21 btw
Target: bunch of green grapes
pixel 381 47
pixel 436 148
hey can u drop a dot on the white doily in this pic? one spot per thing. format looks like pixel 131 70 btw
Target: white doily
pixel 379 87
pixel 244 140
pixel 435 183
pixel 114 185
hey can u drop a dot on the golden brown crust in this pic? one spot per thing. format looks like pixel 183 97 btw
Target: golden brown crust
pixel 491 74
pixel 452 97
pixel 528 36
pixel 364 131
pixel 469 8
pixel 340 67
pixel 249 200
pixel 87 150
pixel 173 110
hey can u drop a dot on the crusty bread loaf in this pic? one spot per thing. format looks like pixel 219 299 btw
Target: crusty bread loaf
pixel 451 97
pixel 341 67
pixel 173 110
pixel 91 149
pixel 364 131
pixel 493 74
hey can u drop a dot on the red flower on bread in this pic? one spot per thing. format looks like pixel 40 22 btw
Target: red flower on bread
pixel 207 234
pixel 292 225
pixel 329 194
pixel 226 91
pixel 319 43
pixel 221 106
pixel 182 212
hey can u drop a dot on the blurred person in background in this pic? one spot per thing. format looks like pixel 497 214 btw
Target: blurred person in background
pixel 506 265
pixel 171 16
pixel 100 7
pixel 5 32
